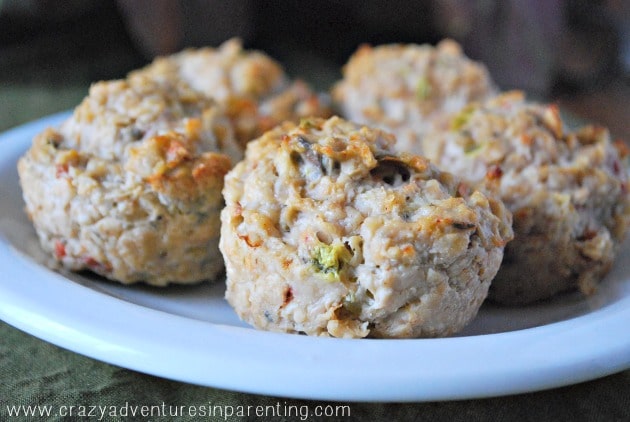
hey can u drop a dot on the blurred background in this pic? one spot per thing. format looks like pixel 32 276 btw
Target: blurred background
pixel 574 52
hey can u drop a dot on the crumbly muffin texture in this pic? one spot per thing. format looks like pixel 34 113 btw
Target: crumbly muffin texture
pixel 410 89
pixel 567 191
pixel 327 231
pixel 252 88
pixel 129 186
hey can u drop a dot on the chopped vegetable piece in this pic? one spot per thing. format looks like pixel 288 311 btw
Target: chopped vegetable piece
pixel 461 118
pixel 423 88
pixel 329 260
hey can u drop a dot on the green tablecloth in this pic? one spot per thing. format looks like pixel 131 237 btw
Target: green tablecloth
pixel 33 372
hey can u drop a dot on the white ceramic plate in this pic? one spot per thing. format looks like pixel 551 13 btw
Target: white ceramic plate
pixel 190 333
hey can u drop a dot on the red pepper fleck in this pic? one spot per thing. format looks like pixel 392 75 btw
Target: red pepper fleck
pixel 494 172
pixel 60 249
pixel 463 189
pixel 91 262
pixel 288 296
pixel 96 265
pixel 62 170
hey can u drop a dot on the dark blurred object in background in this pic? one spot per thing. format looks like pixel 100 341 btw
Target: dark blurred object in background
pixel 550 48
pixel 536 45
pixel 518 40
pixel 63 42
pixel 161 27
pixel 590 50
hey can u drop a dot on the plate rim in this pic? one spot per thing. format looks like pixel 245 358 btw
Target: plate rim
pixel 294 366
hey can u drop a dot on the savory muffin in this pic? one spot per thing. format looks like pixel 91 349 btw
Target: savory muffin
pixel 409 89
pixel 327 231
pixel 253 88
pixel 567 191
pixel 129 186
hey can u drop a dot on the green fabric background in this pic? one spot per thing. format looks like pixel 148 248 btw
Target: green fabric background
pixel 35 372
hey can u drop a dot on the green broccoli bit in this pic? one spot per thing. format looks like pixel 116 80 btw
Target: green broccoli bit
pixel 307 123
pixel 471 147
pixel 461 118
pixel 329 260
pixel 423 88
